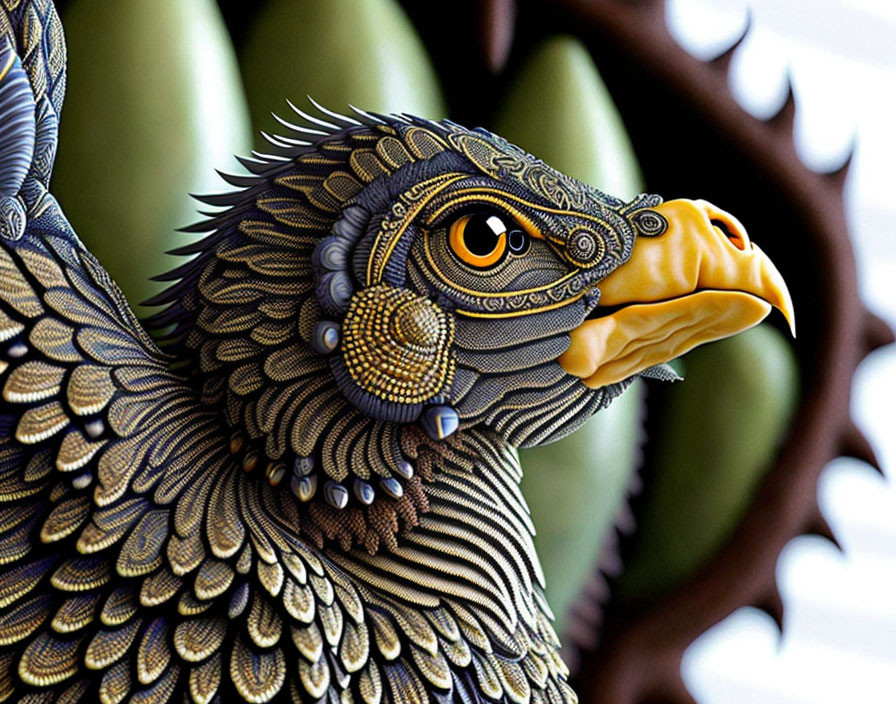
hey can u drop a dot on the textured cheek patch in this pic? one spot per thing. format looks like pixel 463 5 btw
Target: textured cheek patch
pixel 396 348
pixel 508 377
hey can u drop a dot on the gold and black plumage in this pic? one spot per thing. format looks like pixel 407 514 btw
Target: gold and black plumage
pixel 313 494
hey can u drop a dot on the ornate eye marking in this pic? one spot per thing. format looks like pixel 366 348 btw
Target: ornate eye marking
pixel 649 223
pixel 583 247
pixel 482 240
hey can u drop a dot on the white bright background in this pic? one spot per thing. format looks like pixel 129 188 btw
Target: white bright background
pixel 839 643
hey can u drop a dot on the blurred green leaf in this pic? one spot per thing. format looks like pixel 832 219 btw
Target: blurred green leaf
pixel 153 105
pixel 559 110
pixel 719 434
pixel 360 52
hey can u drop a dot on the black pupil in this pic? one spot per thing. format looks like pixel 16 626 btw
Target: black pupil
pixel 481 234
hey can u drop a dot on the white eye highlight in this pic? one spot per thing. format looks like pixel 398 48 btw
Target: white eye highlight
pixel 496 225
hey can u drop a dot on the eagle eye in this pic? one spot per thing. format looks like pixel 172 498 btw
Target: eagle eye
pixel 482 240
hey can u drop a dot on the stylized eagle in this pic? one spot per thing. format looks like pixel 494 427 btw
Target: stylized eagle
pixel 311 494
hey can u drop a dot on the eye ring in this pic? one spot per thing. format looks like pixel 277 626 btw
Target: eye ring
pixel 479 240
pixel 518 242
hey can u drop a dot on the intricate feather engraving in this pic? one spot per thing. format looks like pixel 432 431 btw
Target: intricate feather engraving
pixel 322 500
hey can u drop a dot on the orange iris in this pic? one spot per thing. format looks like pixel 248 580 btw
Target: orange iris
pixel 463 242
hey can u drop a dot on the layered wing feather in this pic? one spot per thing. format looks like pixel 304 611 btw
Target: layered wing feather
pixel 140 562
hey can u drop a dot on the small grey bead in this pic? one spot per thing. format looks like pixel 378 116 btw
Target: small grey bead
pixel 405 469
pixel 392 487
pixel 16 350
pixel 340 288
pixel 304 488
pixel 336 494
pixel 303 466
pixel 440 421
pixel 95 428
pixel 355 215
pixel 334 290
pixel 325 337
pixel 364 492
pixel 344 230
pixel 331 254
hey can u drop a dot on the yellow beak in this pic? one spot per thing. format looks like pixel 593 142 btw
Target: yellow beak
pixel 701 280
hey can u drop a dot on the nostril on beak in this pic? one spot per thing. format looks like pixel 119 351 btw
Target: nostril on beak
pixel 733 233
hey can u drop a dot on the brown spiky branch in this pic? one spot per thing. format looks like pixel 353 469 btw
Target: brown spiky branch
pixel 692 138
pixel 639 657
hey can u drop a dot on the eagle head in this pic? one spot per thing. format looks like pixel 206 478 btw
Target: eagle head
pixel 392 280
